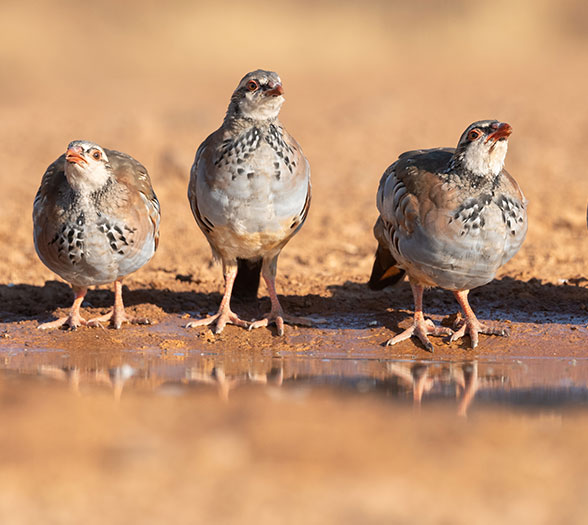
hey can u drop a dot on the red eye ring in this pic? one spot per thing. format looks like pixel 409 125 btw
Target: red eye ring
pixel 252 85
pixel 97 155
pixel 474 134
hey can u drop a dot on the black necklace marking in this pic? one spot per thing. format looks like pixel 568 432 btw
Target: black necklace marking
pixel 276 141
pixel 241 147
pixel 469 214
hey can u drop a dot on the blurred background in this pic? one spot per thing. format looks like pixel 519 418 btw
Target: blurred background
pixel 364 81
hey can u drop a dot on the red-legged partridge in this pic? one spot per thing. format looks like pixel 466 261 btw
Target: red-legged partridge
pixel 449 218
pixel 96 220
pixel 250 193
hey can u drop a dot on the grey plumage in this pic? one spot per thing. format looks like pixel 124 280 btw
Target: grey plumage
pixel 250 190
pixel 450 217
pixel 96 219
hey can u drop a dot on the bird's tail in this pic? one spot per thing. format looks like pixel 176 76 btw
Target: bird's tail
pixel 247 280
pixel 385 271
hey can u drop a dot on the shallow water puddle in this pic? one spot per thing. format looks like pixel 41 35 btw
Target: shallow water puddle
pixel 517 383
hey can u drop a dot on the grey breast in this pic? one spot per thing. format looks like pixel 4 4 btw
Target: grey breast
pixel 96 239
pixel 252 182
pixel 457 242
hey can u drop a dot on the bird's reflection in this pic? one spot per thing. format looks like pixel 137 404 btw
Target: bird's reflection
pixel 225 383
pixel 417 378
pixel 114 377
pixel 422 382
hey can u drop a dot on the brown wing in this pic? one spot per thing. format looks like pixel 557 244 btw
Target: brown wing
pixel 51 183
pixel 47 211
pixel 411 191
pixel 415 205
pixel 203 155
pixel 134 175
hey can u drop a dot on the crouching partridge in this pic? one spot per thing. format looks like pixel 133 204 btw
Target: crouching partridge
pixel 96 220
pixel 250 193
pixel 449 218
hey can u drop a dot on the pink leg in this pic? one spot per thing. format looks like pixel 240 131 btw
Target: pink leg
pixel 118 315
pixel 470 388
pixel 471 324
pixel 421 382
pixel 73 319
pixel 224 315
pixel 276 314
pixel 421 327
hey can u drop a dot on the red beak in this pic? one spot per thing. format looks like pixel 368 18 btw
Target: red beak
pixel 73 156
pixel 275 91
pixel 504 130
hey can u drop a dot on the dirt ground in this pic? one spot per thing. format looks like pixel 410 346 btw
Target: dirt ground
pixel 363 83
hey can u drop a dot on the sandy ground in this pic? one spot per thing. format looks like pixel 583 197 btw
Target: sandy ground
pixel 363 83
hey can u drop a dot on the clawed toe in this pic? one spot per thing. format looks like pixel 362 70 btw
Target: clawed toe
pixel 96 322
pixel 276 318
pixel 474 327
pixel 68 323
pixel 116 320
pixel 221 319
pixel 279 318
pixel 422 329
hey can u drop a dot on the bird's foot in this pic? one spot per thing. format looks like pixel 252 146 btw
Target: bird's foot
pixel 473 327
pixel 220 319
pixel 116 318
pixel 70 321
pixel 421 329
pixel 278 317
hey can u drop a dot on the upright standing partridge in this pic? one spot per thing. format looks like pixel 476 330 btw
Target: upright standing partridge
pixel 96 220
pixel 449 218
pixel 250 193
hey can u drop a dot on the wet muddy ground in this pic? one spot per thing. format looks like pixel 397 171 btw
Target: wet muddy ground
pixel 325 425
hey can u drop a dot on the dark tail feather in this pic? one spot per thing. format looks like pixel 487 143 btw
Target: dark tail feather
pixel 247 281
pixel 385 271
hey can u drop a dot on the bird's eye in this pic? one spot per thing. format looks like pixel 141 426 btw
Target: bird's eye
pixel 97 155
pixel 474 134
pixel 252 85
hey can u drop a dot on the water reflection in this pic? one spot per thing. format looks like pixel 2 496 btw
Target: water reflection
pixel 528 384
pixel 114 378
pixel 224 384
pixel 463 377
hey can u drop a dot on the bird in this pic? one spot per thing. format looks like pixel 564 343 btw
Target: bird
pixel 96 220
pixel 250 193
pixel 449 218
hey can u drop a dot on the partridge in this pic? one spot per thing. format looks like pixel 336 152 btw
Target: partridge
pixel 449 218
pixel 96 220
pixel 250 193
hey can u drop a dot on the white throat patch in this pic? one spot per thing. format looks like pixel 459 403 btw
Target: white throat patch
pixel 264 109
pixel 485 158
pixel 88 178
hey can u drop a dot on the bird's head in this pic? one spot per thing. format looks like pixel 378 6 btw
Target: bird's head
pixel 259 96
pixel 481 149
pixel 86 166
